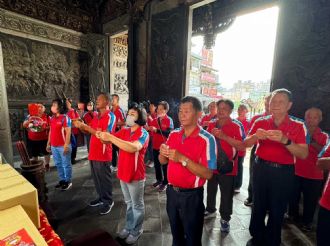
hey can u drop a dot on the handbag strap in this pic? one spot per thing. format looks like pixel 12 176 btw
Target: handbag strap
pixel 219 147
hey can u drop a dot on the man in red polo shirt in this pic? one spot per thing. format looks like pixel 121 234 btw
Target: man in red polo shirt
pixel 281 139
pixel 222 128
pixel 100 154
pixel 249 200
pixel 120 121
pixel 309 178
pixel 160 128
pixel 191 156
pixel 323 221
pixel 212 107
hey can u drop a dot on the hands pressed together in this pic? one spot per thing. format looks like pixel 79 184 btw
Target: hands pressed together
pixel 171 154
pixel 105 137
pixel 218 133
pixel 274 135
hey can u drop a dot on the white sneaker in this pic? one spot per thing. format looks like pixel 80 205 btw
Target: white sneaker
pixel 132 239
pixel 123 234
pixel 208 215
pixel 113 169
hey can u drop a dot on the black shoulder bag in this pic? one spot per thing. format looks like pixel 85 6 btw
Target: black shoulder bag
pixel 224 164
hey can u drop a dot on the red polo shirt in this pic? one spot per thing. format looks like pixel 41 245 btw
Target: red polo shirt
pixel 151 117
pixel 232 129
pixel 73 114
pixel 57 131
pixel 292 127
pixel 307 168
pixel 89 116
pixel 244 125
pixel 254 118
pixel 206 119
pixel 119 113
pixel 39 136
pixel 200 147
pixel 165 124
pixel 131 165
pixel 325 199
pixel 99 151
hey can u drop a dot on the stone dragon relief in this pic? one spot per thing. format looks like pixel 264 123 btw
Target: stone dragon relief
pixel 35 70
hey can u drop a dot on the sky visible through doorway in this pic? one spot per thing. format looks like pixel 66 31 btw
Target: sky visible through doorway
pixel 246 50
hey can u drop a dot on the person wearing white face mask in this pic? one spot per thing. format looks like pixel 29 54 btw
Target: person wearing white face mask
pixel 88 117
pixel 132 141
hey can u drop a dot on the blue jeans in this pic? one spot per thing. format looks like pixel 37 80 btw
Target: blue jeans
pixel 133 194
pixel 63 163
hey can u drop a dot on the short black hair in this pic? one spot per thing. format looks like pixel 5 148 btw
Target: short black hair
pixel 61 105
pixel 115 95
pixel 197 105
pixel 142 113
pixel 165 105
pixel 105 95
pixel 226 101
pixel 283 91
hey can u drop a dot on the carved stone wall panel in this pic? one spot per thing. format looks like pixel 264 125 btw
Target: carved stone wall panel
pixel 302 55
pixel 98 64
pixel 18 25
pixel 118 69
pixel 76 15
pixel 168 44
pixel 40 71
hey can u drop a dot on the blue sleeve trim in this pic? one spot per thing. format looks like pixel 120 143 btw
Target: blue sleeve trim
pixel 324 150
pixel 211 149
pixel 111 122
pixel 144 137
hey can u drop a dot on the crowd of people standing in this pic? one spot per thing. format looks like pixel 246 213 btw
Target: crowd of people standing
pixel 288 156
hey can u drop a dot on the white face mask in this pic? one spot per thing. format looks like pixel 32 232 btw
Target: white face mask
pixel 130 120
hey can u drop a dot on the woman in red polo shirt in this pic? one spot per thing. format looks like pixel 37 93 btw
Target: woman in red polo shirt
pixel 59 144
pixel 37 140
pixel 160 128
pixel 132 142
pixel 88 117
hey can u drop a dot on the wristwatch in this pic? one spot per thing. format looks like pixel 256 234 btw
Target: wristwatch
pixel 288 142
pixel 185 162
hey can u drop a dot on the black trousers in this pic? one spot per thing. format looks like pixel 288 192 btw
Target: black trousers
pixel 185 211
pixel 239 177
pixel 311 190
pixel 101 174
pixel 323 225
pixel 226 184
pixel 160 170
pixel 272 189
pixel 252 161
pixel 115 151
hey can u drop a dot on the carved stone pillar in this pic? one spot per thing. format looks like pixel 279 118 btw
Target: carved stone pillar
pixel 98 64
pixel 5 143
pixel 168 57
